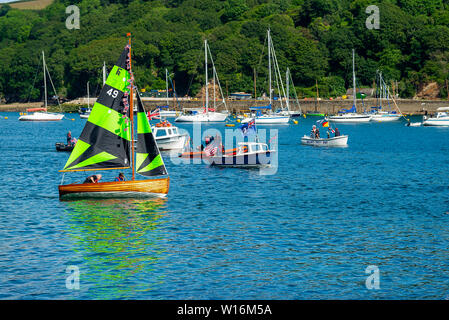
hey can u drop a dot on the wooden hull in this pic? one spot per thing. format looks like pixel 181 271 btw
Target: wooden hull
pixel 123 189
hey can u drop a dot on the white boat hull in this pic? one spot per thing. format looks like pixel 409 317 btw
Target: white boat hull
pixel 171 143
pixel 269 119
pixel 84 116
pixel 340 141
pixel 350 118
pixel 385 117
pixel 169 114
pixel 435 122
pixel 203 117
pixel 42 116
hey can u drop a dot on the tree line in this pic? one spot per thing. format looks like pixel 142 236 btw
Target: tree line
pixel 314 38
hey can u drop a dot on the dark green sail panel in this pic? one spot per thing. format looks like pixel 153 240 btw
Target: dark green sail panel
pixel 105 140
pixel 148 158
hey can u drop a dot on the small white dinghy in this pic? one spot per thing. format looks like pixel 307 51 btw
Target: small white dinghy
pixel 340 141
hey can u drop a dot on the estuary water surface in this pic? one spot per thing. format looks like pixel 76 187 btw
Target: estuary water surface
pixel 309 231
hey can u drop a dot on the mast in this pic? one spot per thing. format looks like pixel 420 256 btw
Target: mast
pixel 166 83
pixel 288 87
pixel 131 112
pixel 214 89
pixel 269 63
pixel 353 79
pixel 104 73
pixel 45 80
pixel 88 100
pixel 205 65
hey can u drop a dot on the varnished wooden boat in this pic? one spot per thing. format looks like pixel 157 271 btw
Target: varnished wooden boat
pixel 122 189
pixel 201 154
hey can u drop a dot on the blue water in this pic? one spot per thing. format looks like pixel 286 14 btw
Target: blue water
pixel 308 231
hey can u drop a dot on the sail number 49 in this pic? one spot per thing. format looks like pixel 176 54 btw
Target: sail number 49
pixel 113 93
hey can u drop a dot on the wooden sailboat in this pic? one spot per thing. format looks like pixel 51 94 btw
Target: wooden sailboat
pixel 107 142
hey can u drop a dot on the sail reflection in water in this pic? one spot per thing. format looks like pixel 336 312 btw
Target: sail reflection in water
pixel 117 245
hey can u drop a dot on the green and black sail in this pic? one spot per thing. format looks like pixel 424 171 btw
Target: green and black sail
pixel 148 158
pixel 105 140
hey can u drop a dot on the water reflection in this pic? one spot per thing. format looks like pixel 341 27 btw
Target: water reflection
pixel 117 244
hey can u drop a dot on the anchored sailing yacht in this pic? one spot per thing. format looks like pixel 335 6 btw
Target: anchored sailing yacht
pixel 271 117
pixel 41 114
pixel 351 115
pixel 206 115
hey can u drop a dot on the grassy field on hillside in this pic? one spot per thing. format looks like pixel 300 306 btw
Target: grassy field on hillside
pixel 31 5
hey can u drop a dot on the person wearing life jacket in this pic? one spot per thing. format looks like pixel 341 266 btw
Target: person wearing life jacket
pixel 121 177
pixel 93 178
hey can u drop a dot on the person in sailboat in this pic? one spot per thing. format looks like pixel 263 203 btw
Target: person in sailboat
pixel 95 178
pixel 69 138
pixel 317 133
pixel 121 177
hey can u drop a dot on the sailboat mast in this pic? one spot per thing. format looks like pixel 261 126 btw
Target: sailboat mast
pixel 288 93
pixel 45 80
pixel 131 111
pixel 205 66
pixel 269 64
pixel 166 83
pixel 353 79
pixel 104 73
pixel 88 100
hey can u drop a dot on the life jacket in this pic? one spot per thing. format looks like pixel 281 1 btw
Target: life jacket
pixel 119 178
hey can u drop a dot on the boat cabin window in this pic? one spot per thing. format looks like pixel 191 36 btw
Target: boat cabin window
pixel 255 147
pixel 160 133
pixel 175 131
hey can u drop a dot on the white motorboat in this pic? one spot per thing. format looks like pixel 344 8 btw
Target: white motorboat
pixel 168 137
pixel 440 119
pixel 41 114
pixel 247 155
pixel 340 141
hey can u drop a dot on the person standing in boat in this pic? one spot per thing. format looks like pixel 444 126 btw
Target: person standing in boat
pixel 317 133
pixel 69 138
pixel 93 178
pixel 313 132
pixel 337 132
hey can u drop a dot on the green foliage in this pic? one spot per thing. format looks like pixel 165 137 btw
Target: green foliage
pixel 314 38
